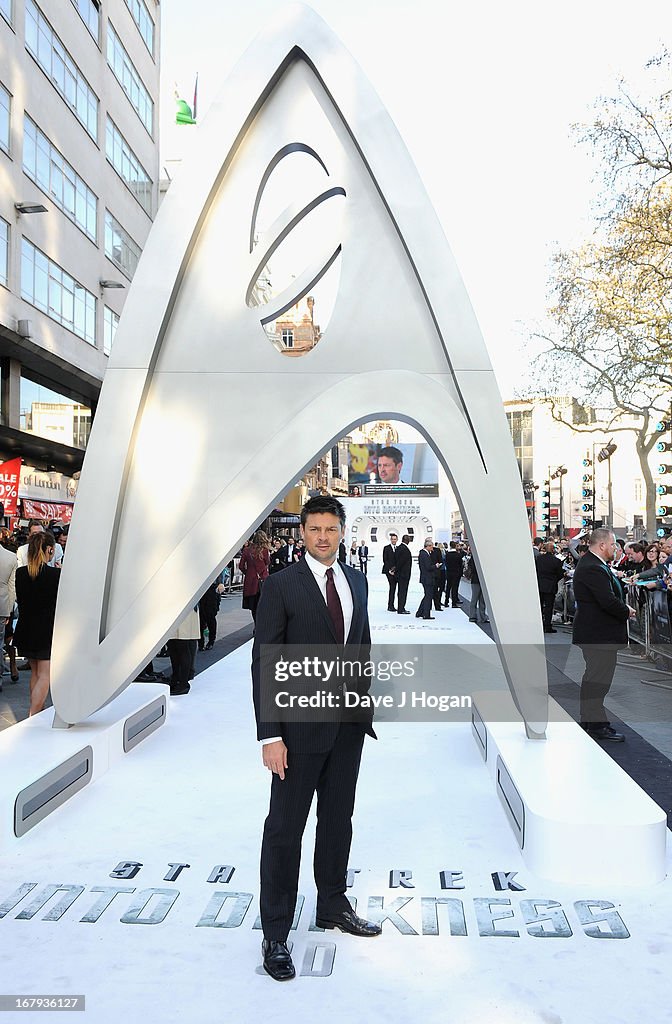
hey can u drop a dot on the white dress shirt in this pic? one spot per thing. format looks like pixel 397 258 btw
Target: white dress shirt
pixel 319 571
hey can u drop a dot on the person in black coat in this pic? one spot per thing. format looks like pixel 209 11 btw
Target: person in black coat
pixel 36 591
pixel 549 573
pixel 600 628
pixel 403 565
pixel 454 569
pixel 390 569
pixel 427 568
pixel 318 600
pixel 439 575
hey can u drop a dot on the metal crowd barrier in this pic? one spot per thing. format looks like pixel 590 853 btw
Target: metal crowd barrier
pixel 233 577
pixel 651 628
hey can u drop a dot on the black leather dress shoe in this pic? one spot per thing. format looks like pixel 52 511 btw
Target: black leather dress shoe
pixel 177 689
pixel 277 960
pixel 605 732
pixel 348 921
pixel 403 611
pixel 429 617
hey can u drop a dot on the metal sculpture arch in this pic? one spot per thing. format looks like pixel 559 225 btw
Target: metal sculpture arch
pixel 192 389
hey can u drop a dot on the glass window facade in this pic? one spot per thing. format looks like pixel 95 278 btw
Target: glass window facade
pixel 89 11
pixel 126 74
pixel 5 104
pixel 44 164
pixel 56 417
pixel 110 324
pixel 127 165
pixel 4 252
pixel 50 288
pixel 143 20
pixel 6 9
pixel 60 68
pixel 120 247
pixel 520 425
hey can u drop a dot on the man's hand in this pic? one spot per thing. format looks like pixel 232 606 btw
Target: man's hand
pixel 274 756
pixel 633 613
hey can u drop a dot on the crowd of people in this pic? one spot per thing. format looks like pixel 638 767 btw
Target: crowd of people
pixel 30 562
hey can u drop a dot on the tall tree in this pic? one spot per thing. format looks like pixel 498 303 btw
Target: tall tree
pixel 611 321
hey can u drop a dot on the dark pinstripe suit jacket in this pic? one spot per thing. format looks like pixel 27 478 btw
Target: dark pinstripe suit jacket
pixel 292 611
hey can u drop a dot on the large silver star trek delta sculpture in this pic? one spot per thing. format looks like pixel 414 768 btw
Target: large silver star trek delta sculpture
pixel 203 423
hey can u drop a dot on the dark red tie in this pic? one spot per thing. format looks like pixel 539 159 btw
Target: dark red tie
pixel 334 607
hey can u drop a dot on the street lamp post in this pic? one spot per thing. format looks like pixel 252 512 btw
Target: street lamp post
pixel 604 455
pixel 558 475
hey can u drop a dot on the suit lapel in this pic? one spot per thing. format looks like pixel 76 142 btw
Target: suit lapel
pixel 350 576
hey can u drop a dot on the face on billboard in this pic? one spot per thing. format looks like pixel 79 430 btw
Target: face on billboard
pixel 389 471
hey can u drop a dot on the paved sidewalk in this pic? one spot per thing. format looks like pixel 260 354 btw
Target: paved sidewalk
pixel 234 627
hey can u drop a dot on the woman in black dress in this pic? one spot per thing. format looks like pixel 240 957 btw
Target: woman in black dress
pixel 36 590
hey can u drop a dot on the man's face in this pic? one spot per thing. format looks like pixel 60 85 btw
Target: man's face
pixel 429 547
pixel 666 545
pixel 607 548
pixel 393 538
pixel 637 556
pixel 388 470
pixel 322 534
pixel 35 529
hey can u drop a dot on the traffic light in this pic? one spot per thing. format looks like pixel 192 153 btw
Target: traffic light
pixel 664 468
pixel 545 504
pixel 663 425
pixel 664 510
pixel 588 495
pixel 664 446
pixel 663 489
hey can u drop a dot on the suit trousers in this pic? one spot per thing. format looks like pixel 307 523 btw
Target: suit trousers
pixel 425 608
pixel 547 605
pixel 453 590
pixel 392 580
pixel 477 606
pixel 600 667
pixel 333 775
pixel 182 659
pixel 402 593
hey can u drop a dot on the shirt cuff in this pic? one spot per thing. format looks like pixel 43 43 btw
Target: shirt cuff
pixel 271 739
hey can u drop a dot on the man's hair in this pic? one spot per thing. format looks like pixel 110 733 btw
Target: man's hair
pixel 428 540
pixel 641 548
pixel 394 535
pixel 599 536
pixel 549 547
pixel 453 544
pixel 323 503
pixel 392 453
pixel 406 539
pixel 537 540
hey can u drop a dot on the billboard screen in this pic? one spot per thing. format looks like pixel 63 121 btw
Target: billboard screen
pixel 392 469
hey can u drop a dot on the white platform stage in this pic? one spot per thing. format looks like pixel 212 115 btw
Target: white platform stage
pixel 94 900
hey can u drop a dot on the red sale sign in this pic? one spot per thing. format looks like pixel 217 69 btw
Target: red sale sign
pixel 9 485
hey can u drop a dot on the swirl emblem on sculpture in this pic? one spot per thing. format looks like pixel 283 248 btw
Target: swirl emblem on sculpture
pixel 325 248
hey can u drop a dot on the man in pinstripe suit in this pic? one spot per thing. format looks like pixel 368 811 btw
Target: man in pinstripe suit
pixel 314 601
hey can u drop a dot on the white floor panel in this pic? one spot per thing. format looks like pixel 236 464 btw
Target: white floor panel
pixel 195 793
